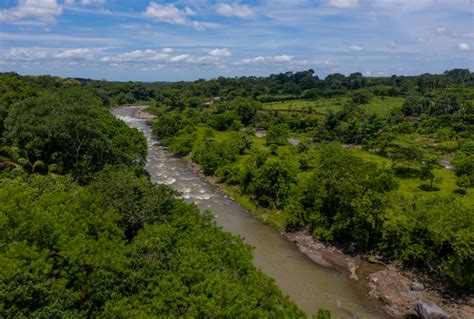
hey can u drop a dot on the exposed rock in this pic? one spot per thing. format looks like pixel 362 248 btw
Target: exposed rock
pixel 352 268
pixel 429 311
pixel 417 286
pixel 374 260
pixel 394 291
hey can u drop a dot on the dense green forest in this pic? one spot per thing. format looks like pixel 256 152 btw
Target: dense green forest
pixel 383 163
pixel 83 231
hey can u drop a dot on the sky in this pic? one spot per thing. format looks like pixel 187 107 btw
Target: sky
pixel 144 40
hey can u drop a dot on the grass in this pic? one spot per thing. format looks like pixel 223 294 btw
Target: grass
pixel 321 105
pixel 382 106
pixel 445 181
pixel 379 105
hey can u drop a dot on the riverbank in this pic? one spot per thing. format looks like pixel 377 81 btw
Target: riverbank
pixel 394 289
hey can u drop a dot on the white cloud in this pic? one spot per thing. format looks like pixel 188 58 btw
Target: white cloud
pixel 180 58
pixel 82 54
pixel 355 48
pixel 167 50
pixel 235 10
pixel 266 59
pixel 344 3
pixel 165 13
pixel 220 53
pixel 43 53
pixel 283 58
pixel 169 13
pixel 189 11
pixel 41 10
pixel 198 26
pixel 139 56
pixel 464 47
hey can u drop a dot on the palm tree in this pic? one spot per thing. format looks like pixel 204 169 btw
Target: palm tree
pixel 15 159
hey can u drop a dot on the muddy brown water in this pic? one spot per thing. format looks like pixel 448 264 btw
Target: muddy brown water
pixel 309 285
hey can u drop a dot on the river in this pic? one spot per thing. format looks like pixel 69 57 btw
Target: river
pixel 310 286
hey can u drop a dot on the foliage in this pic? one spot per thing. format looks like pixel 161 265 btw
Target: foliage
pixel 272 182
pixel 64 254
pixel 344 199
pixel 70 129
pixel 211 155
pixel 277 134
pixel 438 234
pixel 102 240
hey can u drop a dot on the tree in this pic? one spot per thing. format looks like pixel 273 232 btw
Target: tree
pixel 69 128
pixel 464 168
pixel 360 97
pixel 426 173
pixel 137 200
pixel 246 110
pixel 272 182
pixel 277 134
pixel 344 199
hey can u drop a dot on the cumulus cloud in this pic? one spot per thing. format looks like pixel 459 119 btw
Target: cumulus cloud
pixel 167 50
pixel 355 48
pixel 41 10
pixel 266 59
pixel 35 54
pixel 344 3
pixel 464 47
pixel 80 53
pixel 169 13
pixel 165 13
pixel 139 56
pixel 180 58
pixel 234 10
pixel 189 11
pixel 220 53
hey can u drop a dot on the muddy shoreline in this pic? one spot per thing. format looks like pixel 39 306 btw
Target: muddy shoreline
pixel 388 285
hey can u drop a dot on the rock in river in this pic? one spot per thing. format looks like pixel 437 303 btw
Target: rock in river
pixel 429 311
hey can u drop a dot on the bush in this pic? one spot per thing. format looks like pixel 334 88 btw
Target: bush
pixel 437 234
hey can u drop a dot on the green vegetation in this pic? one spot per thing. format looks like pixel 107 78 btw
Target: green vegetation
pixel 352 159
pixel 383 163
pixel 85 234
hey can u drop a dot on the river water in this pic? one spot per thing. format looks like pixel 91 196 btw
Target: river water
pixel 310 286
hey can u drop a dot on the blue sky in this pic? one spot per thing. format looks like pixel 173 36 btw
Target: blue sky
pixel 191 39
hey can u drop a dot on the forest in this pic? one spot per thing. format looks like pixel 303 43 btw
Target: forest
pixel 378 164
pixel 85 234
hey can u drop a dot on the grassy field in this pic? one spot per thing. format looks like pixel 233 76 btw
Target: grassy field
pixel 445 181
pixel 378 105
